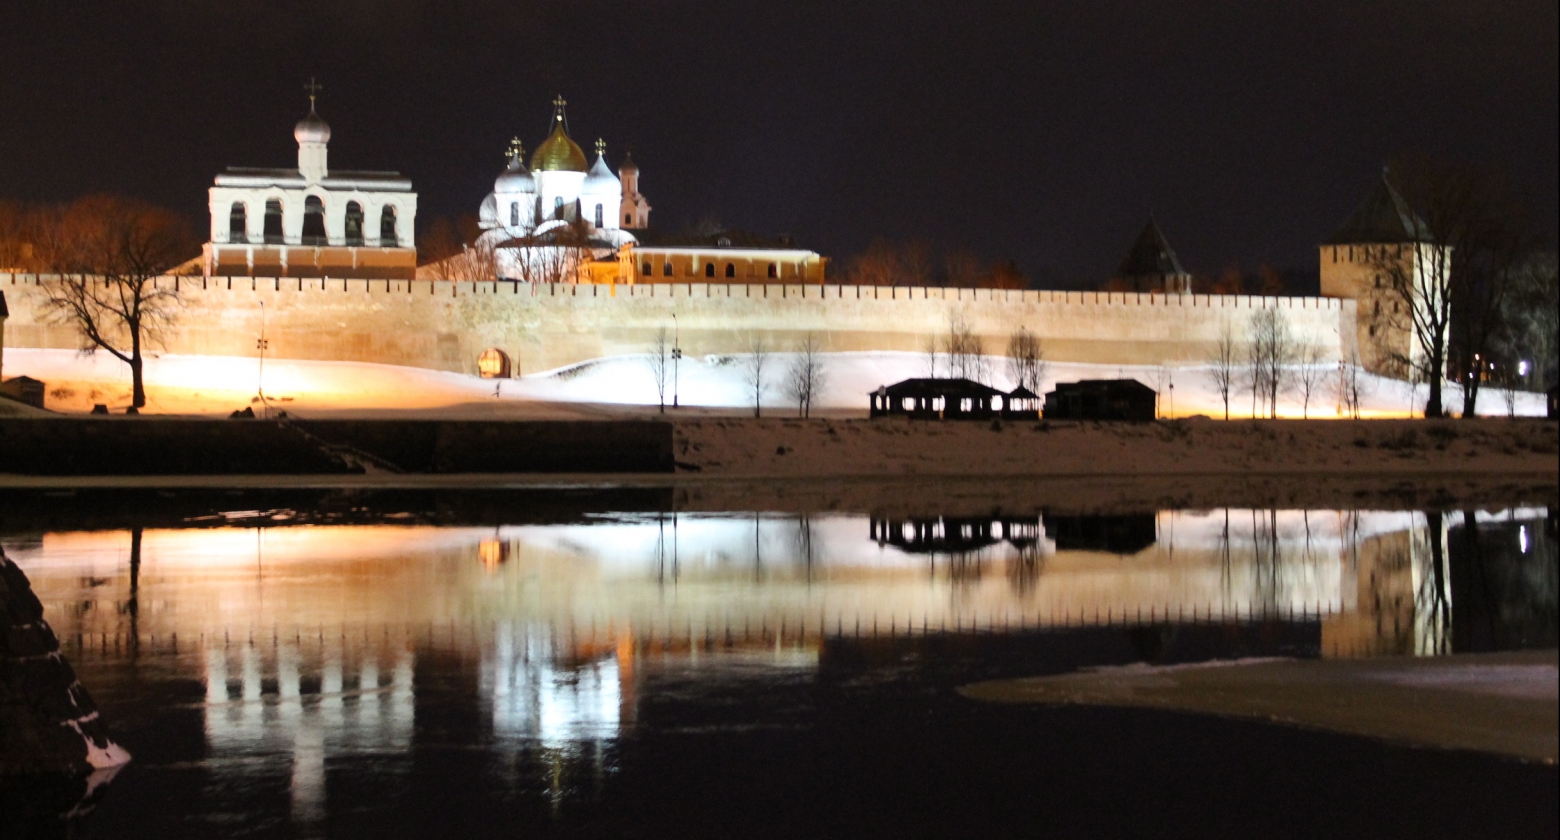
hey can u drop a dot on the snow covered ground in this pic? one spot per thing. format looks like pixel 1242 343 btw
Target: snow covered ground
pixel 622 384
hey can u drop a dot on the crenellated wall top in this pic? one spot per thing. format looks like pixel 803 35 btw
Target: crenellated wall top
pixel 449 288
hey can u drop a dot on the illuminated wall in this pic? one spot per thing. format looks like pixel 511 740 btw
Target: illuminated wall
pixel 447 325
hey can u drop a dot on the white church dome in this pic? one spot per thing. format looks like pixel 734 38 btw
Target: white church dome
pixel 515 178
pixel 312 129
pixel 600 180
pixel 487 217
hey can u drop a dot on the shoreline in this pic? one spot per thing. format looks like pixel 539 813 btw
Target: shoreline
pixel 1498 703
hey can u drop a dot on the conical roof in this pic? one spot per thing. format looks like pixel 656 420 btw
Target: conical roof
pixel 1383 217
pixel 558 153
pixel 1150 255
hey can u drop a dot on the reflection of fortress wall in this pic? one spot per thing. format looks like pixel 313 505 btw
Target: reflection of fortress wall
pixel 446 325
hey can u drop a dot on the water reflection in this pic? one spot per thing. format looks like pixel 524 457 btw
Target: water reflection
pixel 318 643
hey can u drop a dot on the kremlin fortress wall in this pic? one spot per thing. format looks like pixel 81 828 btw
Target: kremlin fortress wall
pixel 443 325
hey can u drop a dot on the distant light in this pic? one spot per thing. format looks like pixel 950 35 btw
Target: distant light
pixel 1522 538
pixel 1522 368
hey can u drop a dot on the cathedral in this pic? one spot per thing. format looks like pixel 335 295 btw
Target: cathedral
pixel 566 219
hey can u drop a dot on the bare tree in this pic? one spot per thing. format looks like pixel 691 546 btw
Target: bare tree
pixel 961 268
pixel 1530 322
pixel 1467 239
pixel 915 264
pixel 1224 365
pixel 963 349
pixel 876 266
pixel 1026 359
pixel 1271 355
pixel 930 348
pixel 754 369
pixel 557 256
pixel 804 379
pixel 659 362
pixel 108 253
pixel 1352 385
pixel 1309 376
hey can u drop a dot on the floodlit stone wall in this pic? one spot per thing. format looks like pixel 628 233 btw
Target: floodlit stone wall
pixel 446 325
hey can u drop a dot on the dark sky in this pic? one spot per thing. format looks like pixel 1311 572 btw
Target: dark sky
pixel 1039 131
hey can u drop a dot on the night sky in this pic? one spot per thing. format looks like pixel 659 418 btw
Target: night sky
pixel 1042 132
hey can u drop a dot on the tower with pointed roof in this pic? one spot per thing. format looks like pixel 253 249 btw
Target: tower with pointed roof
pixel 1152 266
pixel 1382 237
pixel 635 208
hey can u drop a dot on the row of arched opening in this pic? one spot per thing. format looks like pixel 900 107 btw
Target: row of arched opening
pixel 646 269
pixel 313 224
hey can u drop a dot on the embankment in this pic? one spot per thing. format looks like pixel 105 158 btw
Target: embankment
pixel 180 447
pixel 1192 447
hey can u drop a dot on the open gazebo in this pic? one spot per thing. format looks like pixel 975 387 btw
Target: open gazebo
pixel 1022 404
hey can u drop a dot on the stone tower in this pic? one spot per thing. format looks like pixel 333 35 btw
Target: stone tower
pixel 1381 239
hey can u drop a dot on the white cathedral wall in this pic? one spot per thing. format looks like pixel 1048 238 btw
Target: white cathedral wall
pixel 557 185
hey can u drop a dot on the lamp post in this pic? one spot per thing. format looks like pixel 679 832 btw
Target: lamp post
pixel 676 361
pixel 261 344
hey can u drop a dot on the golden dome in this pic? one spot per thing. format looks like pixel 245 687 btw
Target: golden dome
pixel 558 153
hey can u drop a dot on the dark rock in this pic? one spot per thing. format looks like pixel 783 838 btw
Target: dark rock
pixel 48 721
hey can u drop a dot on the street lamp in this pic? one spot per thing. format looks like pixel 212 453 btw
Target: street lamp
pixel 676 356
pixel 261 344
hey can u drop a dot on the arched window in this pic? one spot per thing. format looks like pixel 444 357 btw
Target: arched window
pixel 628 220
pixel 666 270
pixel 273 221
pixel 387 237
pixel 774 271
pixel 354 225
pixel 648 269
pixel 731 270
pixel 313 221
pixel 238 223
pixel 514 214
pixel 557 207
pixel 709 269
pixel 600 219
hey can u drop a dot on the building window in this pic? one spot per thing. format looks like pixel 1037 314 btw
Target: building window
pixel 273 222
pixel 628 220
pixel 354 225
pixel 709 269
pixel 313 221
pixel 600 219
pixel 666 270
pixel 514 214
pixel 774 271
pixel 238 223
pixel 557 207
pixel 731 270
pixel 387 237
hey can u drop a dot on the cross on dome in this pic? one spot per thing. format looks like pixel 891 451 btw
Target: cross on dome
pixel 314 89
pixel 516 149
pixel 601 146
